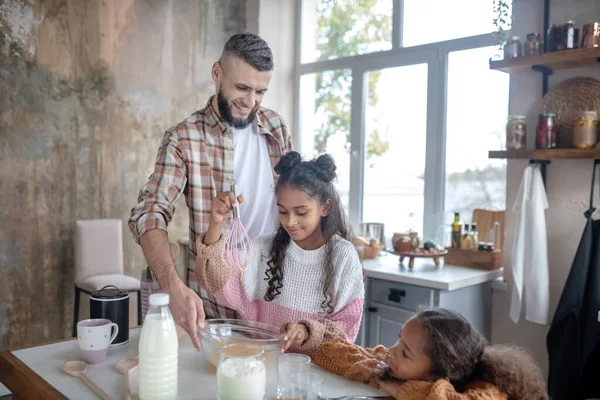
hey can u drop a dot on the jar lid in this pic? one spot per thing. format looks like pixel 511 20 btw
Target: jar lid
pixel 516 117
pixel 548 115
pixel 589 115
pixel 109 292
pixel 515 38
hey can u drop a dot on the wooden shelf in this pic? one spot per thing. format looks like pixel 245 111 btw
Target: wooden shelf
pixel 550 61
pixel 548 154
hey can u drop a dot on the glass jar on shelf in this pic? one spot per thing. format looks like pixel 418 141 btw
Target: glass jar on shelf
pixel 513 48
pixel 516 132
pixel 534 44
pixel 545 135
pixel 585 130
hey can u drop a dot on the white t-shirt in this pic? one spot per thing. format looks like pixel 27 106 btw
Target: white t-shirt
pixel 254 178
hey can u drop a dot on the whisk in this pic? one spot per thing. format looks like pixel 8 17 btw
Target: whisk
pixel 238 247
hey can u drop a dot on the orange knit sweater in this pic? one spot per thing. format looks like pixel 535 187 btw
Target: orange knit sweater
pixel 359 364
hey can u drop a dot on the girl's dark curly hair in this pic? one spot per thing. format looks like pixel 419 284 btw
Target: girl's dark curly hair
pixel 460 353
pixel 315 178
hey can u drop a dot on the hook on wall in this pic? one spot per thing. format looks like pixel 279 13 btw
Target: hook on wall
pixel 542 164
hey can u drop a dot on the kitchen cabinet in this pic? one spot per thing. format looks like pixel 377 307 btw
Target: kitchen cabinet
pixel 395 293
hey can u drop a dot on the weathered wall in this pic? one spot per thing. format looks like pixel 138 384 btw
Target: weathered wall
pixel 87 89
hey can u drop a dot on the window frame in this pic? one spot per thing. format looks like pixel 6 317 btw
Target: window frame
pixel 435 55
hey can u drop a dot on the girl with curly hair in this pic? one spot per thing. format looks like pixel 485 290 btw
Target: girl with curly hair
pixel 306 278
pixel 439 356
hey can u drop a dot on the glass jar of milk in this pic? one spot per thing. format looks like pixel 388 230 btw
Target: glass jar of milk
pixel 242 373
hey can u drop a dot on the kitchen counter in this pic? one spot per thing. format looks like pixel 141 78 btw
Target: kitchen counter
pixel 445 277
pixel 394 293
pixel 36 373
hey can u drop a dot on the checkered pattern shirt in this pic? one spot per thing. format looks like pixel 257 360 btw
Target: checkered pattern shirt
pixel 196 159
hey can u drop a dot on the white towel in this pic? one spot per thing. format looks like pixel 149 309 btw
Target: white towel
pixel 530 250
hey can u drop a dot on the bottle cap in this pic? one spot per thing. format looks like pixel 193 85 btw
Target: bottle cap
pixel 159 299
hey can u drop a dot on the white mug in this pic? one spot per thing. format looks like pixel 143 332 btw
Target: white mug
pixel 94 336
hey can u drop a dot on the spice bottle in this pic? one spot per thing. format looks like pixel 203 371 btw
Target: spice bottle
pixel 456 231
pixel 474 235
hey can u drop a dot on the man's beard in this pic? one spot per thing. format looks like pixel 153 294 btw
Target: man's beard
pixel 225 111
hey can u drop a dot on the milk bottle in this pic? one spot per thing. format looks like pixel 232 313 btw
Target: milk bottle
pixel 158 351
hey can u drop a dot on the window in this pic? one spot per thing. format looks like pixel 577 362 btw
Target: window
pixel 343 28
pixel 409 128
pixel 476 115
pixel 395 121
pixel 430 21
pixel 325 112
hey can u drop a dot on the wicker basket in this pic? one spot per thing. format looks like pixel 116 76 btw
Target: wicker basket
pixel 567 100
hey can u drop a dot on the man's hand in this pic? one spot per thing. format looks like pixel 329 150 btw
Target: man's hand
pixel 293 334
pixel 187 309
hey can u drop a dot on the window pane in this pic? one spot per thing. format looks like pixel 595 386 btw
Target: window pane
pixel 342 28
pixel 325 119
pixel 395 123
pixel 429 21
pixel 477 110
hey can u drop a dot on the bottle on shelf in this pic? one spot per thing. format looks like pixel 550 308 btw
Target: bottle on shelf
pixel 456 231
pixel 474 235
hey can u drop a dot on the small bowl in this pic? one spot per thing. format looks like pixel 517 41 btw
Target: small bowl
pixel 218 333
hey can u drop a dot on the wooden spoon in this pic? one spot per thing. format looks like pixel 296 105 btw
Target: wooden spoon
pixel 78 369
pixel 126 366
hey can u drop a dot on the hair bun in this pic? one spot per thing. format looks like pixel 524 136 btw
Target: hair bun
pixel 288 162
pixel 326 168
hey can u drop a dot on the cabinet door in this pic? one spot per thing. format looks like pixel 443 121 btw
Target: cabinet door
pixel 385 324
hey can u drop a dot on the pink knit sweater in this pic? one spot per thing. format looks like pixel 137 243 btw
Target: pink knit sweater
pixel 302 293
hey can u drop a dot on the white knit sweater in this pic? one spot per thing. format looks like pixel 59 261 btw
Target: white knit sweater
pixel 302 293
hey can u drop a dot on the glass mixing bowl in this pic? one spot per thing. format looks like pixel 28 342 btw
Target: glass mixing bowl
pixel 221 332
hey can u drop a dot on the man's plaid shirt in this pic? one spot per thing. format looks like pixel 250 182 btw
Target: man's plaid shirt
pixel 196 159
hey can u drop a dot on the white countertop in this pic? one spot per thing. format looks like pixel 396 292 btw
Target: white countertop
pixel 197 378
pixel 445 277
